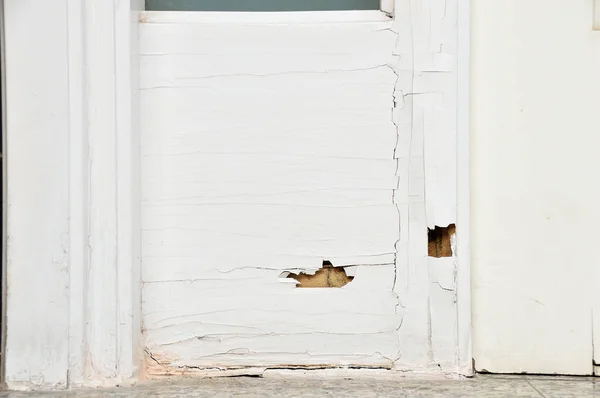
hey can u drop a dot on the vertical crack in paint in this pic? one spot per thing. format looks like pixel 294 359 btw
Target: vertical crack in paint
pixel 394 191
pixel 394 199
pixel 395 157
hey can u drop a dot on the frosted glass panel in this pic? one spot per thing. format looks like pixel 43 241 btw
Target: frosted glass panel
pixel 260 5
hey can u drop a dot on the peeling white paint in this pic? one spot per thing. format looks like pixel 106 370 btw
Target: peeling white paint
pixel 268 147
pixel 307 137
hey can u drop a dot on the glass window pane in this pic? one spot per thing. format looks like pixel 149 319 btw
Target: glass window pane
pixel 260 5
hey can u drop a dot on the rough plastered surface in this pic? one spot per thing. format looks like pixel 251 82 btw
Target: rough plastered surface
pixel 270 147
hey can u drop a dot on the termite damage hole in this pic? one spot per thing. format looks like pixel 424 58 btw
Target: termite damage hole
pixel 440 241
pixel 327 276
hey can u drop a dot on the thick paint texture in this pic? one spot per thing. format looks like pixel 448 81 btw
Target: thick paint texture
pixel 272 146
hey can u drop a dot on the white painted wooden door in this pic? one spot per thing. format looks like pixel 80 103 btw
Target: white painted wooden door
pixel 273 143
pixel 535 107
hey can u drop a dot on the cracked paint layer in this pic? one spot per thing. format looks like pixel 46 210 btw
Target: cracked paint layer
pixel 277 146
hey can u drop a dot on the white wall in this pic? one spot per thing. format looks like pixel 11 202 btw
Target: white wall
pixel 535 139
pixel 273 142
pixel 38 193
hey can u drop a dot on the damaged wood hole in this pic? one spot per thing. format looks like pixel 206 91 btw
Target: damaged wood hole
pixel 327 276
pixel 440 241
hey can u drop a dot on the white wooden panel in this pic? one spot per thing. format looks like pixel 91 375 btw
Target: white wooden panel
pixel 535 139
pixel 253 168
pixel 269 147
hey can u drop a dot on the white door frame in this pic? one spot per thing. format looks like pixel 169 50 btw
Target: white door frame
pixel 91 280
pixel 73 302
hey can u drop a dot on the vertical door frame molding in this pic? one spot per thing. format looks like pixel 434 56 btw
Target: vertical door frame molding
pixel 105 344
pixel 93 336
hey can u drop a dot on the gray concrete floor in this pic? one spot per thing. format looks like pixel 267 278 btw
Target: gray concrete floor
pixel 348 386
